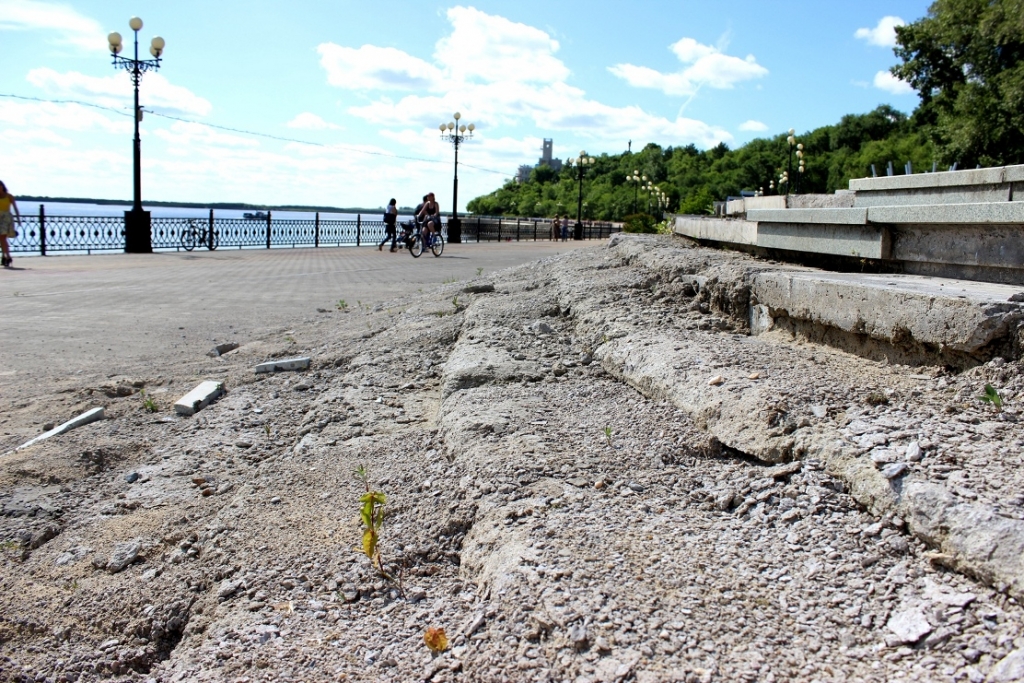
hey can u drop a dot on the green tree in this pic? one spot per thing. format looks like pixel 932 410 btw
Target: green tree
pixel 966 61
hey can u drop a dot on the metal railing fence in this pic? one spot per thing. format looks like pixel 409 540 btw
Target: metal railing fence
pixel 43 234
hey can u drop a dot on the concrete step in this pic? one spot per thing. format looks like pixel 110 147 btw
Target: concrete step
pixel 998 184
pixel 977 241
pixel 953 317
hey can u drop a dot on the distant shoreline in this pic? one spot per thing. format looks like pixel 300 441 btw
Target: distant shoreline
pixel 232 206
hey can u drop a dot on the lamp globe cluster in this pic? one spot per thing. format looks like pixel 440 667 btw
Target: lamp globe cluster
pixel 116 42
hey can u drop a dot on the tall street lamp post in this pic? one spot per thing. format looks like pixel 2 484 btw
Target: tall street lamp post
pixel 800 170
pixel 791 141
pixel 662 203
pixel 137 234
pixel 456 136
pixel 636 179
pixel 582 161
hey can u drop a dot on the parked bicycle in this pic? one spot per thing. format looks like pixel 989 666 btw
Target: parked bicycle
pixel 194 234
pixel 417 242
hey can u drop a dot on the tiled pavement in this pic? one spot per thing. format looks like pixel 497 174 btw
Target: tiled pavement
pixel 98 314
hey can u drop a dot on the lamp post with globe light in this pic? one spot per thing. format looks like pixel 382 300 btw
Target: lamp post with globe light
pixel 582 161
pixel 791 141
pixel 456 136
pixel 800 170
pixel 636 180
pixel 137 233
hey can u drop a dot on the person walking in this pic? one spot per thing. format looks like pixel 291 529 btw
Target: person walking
pixel 565 227
pixel 390 225
pixel 7 202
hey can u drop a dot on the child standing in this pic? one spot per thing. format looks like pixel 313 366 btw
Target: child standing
pixel 7 202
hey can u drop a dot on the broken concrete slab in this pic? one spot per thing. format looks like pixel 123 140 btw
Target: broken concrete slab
pixel 959 315
pixel 974 538
pixel 301 363
pixel 473 365
pixel 200 397
pixel 85 418
pixel 221 349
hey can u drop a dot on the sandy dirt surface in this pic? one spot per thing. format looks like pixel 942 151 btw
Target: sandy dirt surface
pixel 554 503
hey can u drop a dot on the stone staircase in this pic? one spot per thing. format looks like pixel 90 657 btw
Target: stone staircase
pixel 957 224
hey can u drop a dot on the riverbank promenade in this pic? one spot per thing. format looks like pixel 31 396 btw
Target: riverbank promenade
pixel 96 314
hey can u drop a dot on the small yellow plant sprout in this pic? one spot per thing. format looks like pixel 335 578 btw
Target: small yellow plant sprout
pixel 371 514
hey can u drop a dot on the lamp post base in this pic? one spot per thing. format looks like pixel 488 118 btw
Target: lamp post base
pixel 454 231
pixel 577 231
pixel 137 232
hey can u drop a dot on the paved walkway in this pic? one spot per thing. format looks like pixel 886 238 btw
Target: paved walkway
pixel 103 314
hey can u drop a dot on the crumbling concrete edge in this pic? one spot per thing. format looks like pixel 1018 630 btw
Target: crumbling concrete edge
pixel 971 538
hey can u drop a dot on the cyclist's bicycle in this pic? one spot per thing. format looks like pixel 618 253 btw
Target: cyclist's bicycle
pixel 418 242
pixel 194 234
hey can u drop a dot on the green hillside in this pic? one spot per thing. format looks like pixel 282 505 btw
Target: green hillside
pixel 966 61
pixel 693 178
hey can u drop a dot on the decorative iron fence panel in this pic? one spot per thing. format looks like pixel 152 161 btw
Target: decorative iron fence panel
pixel 42 234
pixel 501 229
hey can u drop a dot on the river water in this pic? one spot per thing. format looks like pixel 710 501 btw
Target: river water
pixel 76 209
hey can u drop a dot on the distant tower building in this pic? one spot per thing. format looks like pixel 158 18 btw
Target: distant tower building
pixel 547 159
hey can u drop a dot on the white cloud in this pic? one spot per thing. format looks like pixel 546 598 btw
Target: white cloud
pixel 376 68
pixel 706 65
pixel 67 117
pixel 182 135
pixel 882 35
pixel 502 73
pixel 890 84
pixel 72 27
pixel 489 48
pixel 116 91
pixel 20 137
pixel 753 126
pixel 309 121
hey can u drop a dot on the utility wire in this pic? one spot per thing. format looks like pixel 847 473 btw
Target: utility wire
pixel 247 132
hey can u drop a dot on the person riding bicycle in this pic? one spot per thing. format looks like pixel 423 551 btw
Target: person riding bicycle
pixel 430 214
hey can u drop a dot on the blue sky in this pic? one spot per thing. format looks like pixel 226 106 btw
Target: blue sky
pixel 367 83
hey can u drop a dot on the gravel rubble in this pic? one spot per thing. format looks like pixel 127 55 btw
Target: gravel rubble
pixel 561 518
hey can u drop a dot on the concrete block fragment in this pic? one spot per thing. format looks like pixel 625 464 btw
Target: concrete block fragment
pixel 301 363
pixel 221 349
pixel 200 397
pixel 85 418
